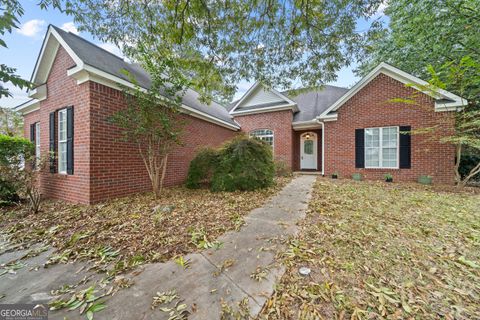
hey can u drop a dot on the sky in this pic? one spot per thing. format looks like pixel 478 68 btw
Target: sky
pixel 24 45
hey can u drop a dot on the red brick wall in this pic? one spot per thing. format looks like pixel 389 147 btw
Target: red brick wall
pixel 296 148
pixel 370 108
pixel 63 91
pixel 280 122
pixel 105 166
pixel 116 167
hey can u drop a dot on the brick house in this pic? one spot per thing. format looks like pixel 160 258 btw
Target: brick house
pixel 78 86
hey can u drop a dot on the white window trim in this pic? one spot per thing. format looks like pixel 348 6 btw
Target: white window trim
pixel 37 142
pixel 62 111
pixel 272 135
pixel 380 152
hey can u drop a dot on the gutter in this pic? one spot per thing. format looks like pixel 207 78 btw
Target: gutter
pixel 323 145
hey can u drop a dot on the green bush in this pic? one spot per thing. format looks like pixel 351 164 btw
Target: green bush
pixel 244 164
pixel 13 153
pixel 202 167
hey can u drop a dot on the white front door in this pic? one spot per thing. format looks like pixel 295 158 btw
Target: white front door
pixel 308 150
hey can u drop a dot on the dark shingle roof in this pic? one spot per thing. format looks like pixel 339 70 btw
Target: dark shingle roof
pixel 103 60
pixel 313 103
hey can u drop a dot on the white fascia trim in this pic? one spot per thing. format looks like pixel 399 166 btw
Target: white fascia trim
pixel 310 124
pixel 262 110
pixel 89 73
pixel 39 93
pixel 252 88
pixel 398 75
pixel 51 32
pixel 246 94
pixel 28 107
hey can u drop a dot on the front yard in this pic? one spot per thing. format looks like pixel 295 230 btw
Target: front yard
pixel 379 250
pixel 135 229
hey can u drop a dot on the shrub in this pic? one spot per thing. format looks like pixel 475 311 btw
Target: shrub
pixel 17 159
pixel 282 169
pixel 202 167
pixel 13 152
pixel 244 164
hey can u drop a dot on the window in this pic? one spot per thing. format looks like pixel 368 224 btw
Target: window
pixel 37 142
pixel 62 141
pixel 381 147
pixel 264 135
pixel 308 147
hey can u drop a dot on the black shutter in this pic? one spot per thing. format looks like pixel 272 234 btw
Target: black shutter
pixel 52 142
pixel 359 148
pixel 69 140
pixel 32 133
pixel 405 147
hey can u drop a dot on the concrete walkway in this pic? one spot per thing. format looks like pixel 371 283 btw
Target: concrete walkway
pixel 214 276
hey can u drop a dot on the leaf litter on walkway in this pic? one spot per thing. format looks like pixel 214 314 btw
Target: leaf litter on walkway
pixel 382 251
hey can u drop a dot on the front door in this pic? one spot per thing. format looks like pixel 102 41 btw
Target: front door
pixel 308 150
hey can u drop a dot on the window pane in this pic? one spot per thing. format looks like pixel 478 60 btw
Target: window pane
pixel 62 157
pixel 372 138
pixel 264 135
pixel 372 157
pixel 389 137
pixel 389 157
pixel 308 147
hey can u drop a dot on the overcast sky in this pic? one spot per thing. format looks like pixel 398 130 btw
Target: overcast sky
pixel 24 46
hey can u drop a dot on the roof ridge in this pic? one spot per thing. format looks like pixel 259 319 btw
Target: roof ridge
pixel 89 42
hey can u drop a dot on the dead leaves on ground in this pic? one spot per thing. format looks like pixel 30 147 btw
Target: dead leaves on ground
pixel 122 233
pixel 381 251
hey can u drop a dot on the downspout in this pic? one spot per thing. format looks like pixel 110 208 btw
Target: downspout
pixel 323 145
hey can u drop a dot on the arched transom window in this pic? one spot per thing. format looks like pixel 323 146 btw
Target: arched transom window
pixel 264 135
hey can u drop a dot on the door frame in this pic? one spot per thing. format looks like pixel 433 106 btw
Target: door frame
pixel 315 148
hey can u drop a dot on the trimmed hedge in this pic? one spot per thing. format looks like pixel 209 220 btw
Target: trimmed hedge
pixel 241 164
pixel 202 167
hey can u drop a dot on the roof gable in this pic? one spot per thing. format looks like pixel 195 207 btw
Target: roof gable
pixel 96 64
pixel 261 99
pixel 444 100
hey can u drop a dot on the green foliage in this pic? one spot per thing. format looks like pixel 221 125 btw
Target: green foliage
pixel 214 44
pixel 19 171
pixel 282 169
pixel 151 122
pixel 10 11
pixel 11 123
pixel 245 164
pixel 13 151
pixel 202 167
pixel 422 33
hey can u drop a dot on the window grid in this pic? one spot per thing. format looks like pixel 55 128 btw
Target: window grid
pixel 381 147
pixel 62 141
pixel 264 135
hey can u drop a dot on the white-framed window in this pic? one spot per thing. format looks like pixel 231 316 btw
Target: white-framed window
pixel 264 135
pixel 37 142
pixel 62 141
pixel 381 147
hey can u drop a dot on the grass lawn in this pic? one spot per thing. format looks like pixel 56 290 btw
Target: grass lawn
pixel 382 251
pixel 128 231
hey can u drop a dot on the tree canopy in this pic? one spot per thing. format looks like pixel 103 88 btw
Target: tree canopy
pixel 212 45
pixel 422 33
pixel 10 11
